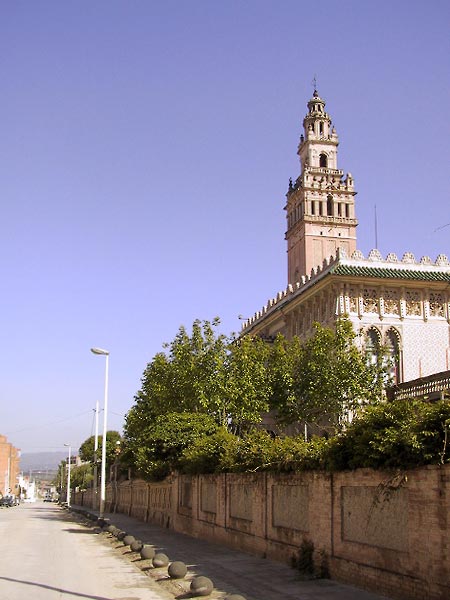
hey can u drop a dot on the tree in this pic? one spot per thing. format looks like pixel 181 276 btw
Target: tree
pixel 60 478
pixel 246 388
pixel 235 380
pixel 156 452
pixel 81 476
pixel 332 378
pixel 86 451
pixel 186 377
pixel 204 372
pixel 284 355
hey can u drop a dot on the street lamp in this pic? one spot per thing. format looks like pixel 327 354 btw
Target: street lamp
pixel 105 415
pixel 68 474
pixel 94 501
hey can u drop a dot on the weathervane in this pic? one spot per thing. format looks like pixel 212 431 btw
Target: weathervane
pixel 314 82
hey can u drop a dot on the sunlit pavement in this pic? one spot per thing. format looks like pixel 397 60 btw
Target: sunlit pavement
pixel 47 554
pixel 232 571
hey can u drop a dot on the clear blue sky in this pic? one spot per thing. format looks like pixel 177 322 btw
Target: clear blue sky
pixel 145 152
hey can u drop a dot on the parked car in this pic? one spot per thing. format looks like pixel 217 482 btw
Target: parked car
pixel 7 501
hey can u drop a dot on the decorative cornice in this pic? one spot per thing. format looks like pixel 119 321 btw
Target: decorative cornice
pixel 359 266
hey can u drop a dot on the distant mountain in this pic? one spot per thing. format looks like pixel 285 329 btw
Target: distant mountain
pixel 41 461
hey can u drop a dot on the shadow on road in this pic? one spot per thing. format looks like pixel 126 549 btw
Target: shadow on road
pixel 73 530
pixel 43 511
pixel 53 513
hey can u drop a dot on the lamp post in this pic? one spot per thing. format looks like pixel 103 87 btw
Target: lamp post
pixel 105 416
pixel 95 499
pixel 68 474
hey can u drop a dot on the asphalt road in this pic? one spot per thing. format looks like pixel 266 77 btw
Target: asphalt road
pixel 45 555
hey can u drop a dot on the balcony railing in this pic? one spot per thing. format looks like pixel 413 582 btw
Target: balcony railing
pixel 432 387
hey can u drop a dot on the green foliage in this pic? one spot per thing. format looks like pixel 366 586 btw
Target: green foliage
pixel 401 434
pixel 81 476
pixel 247 389
pixel 331 379
pixel 60 479
pixel 229 382
pixel 259 451
pixel 283 358
pixel 86 451
pixel 210 454
pixel 188 378
pixel 161 445
pixel 254 451
pixel 304 561
pixel 204 372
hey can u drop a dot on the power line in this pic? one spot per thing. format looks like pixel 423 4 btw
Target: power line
pixel 48 424
pixel 442 227
pixel 117 414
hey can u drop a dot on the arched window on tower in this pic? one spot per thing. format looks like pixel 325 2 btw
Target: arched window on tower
pixel 323 160
pixel 330 205
pixel 393 354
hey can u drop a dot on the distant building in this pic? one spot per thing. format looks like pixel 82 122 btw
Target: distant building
pixel 27 488
pixel 9 467
pixel 403 304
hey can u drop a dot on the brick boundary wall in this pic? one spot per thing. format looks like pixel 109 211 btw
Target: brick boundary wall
pixel 382 531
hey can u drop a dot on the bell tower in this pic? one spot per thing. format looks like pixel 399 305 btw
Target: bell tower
pixel 320 206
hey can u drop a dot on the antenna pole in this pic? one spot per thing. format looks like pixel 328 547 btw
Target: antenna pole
pixel 376 228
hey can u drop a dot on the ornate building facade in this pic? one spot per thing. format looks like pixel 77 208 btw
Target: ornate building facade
pixel 403 304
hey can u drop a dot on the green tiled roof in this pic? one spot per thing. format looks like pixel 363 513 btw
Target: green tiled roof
pixel 390 273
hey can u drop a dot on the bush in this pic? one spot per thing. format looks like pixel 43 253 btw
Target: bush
pixel 161 446
pixel 255 451
pixel 210 454
pixel 401 434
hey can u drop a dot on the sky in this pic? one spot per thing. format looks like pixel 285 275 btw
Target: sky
pixel 145 154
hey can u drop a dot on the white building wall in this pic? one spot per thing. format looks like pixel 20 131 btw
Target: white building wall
pixel 426 346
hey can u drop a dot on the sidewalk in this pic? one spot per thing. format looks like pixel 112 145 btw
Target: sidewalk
pixel 231 571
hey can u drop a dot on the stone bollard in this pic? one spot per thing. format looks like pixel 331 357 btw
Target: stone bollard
pixel 160 560
pixel 128 540
pixel 136 546
pixel 177 570
pixel 147 553
pixel 121 535
pixel 201 586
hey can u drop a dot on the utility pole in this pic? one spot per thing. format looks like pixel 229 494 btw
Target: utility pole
pixel 94 500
